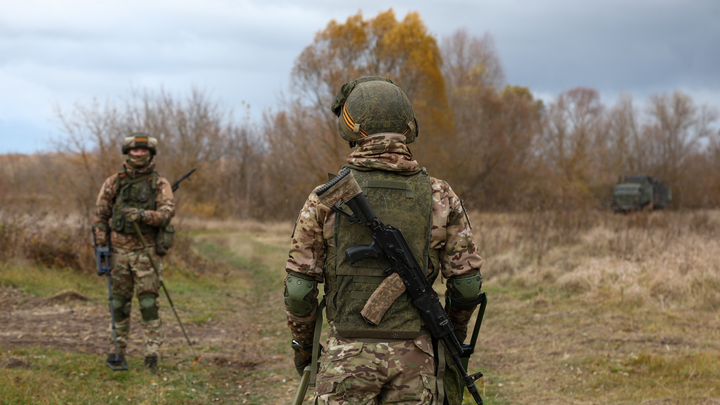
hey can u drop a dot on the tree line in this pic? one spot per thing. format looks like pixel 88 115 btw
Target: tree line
pixel 499 146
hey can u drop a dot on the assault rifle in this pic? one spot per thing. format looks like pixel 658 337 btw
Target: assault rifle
pixel 390 242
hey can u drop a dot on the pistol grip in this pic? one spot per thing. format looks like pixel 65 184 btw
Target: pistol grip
pixel 361 252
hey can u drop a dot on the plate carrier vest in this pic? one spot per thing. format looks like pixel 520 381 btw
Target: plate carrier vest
pixel 403 200
pixel 138 192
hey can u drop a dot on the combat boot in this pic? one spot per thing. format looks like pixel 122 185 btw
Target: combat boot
pixel 151 364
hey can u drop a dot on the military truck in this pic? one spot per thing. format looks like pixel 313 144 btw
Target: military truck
pixel 635 193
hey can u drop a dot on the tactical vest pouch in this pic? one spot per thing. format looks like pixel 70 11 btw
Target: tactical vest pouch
pixel 449 380
pixel 164 239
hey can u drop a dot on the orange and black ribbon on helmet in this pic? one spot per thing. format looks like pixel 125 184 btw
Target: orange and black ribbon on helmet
pixel 355 127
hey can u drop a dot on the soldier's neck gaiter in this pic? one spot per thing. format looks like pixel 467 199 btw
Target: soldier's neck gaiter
pixel 138 162
pixel 384 152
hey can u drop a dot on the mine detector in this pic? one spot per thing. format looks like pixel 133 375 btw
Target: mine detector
pixel 639 192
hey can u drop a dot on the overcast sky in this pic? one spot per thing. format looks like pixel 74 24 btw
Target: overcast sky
pixel 58 53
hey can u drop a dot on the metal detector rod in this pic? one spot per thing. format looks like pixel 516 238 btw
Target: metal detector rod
pixel 302 387
pixel 117 364
pixel 162 284
pixel 112 316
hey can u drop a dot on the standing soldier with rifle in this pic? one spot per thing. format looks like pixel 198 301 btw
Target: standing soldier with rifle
pixel 137 195
pixel 382 345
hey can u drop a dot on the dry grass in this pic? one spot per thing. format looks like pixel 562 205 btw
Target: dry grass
pixel 47 239
pixel 662 259
pixel 584 307
pixel 65 242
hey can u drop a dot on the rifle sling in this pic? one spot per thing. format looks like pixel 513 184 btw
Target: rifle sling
pixel 478 320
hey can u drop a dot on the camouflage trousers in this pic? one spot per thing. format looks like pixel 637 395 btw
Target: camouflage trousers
pixel 132 271
pixel 376 372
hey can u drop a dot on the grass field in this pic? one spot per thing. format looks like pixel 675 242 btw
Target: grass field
pixel 584 308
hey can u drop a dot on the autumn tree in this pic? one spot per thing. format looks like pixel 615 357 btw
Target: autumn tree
pixel 302 135
pixel 675 129
pixel 402 51
pixel 574 140
pixel 497 124
pixel 191 132
pixel 627 147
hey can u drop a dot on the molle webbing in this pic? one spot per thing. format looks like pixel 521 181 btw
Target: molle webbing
pixel 405 202
pixel 138 192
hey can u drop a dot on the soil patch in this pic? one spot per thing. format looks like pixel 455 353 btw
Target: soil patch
pixel 15 363
pixel 70 321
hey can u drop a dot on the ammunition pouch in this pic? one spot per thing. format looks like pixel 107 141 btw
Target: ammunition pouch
pixel 164 239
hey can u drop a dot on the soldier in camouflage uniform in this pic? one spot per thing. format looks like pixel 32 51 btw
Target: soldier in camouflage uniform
pixel 135 194
pixel 363 364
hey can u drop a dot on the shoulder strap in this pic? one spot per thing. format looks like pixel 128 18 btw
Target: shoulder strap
pixel 120 176
pixel 155 177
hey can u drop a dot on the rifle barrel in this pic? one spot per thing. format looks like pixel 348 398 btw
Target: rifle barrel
pixel 176 185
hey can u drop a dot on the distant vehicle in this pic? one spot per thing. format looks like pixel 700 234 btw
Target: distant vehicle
pixel 635 193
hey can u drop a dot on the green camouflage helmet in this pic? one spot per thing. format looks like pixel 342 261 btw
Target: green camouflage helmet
pixel 140 140
pixel 373 105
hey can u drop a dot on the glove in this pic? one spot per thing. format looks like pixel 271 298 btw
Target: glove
pixel 132 214
pixel 301 362
pixel 303 355
pixel 100 236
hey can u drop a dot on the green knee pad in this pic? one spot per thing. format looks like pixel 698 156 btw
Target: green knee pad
pixel 148 307
pixel 121 308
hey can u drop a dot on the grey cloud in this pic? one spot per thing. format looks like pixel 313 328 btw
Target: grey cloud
pixel 73 51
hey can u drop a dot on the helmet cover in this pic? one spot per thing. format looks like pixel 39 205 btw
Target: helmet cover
pixel 140 140
pixel 372 105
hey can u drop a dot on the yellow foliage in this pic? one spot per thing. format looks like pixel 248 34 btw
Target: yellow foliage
pixel 202 209
pixel 402 51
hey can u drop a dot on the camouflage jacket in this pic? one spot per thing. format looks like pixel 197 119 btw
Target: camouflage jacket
pixel 164 210
pixel 451 233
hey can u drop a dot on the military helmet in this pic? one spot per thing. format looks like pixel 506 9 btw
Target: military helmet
pixel 140 140
pixel 373 105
